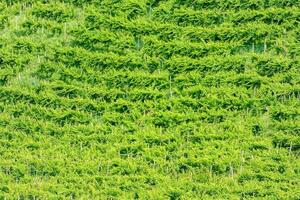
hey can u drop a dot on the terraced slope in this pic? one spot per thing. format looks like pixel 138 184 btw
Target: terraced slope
pixel 147 99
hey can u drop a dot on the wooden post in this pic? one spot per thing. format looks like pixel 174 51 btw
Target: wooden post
pixel 231 171
pixel 265 46
pixel 290 148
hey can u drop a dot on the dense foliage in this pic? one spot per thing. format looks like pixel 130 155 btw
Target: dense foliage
pixel 148 99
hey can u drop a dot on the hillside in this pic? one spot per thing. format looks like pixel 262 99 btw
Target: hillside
pixel 148 99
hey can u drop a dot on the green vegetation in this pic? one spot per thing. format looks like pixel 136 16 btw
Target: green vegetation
pixel 148 99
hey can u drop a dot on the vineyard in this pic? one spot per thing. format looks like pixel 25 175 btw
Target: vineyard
pixel 149 99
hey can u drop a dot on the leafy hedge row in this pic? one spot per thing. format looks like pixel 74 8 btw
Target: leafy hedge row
pixel 250 32
pixel 265 65
pixel 236 4
pixel 286 17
